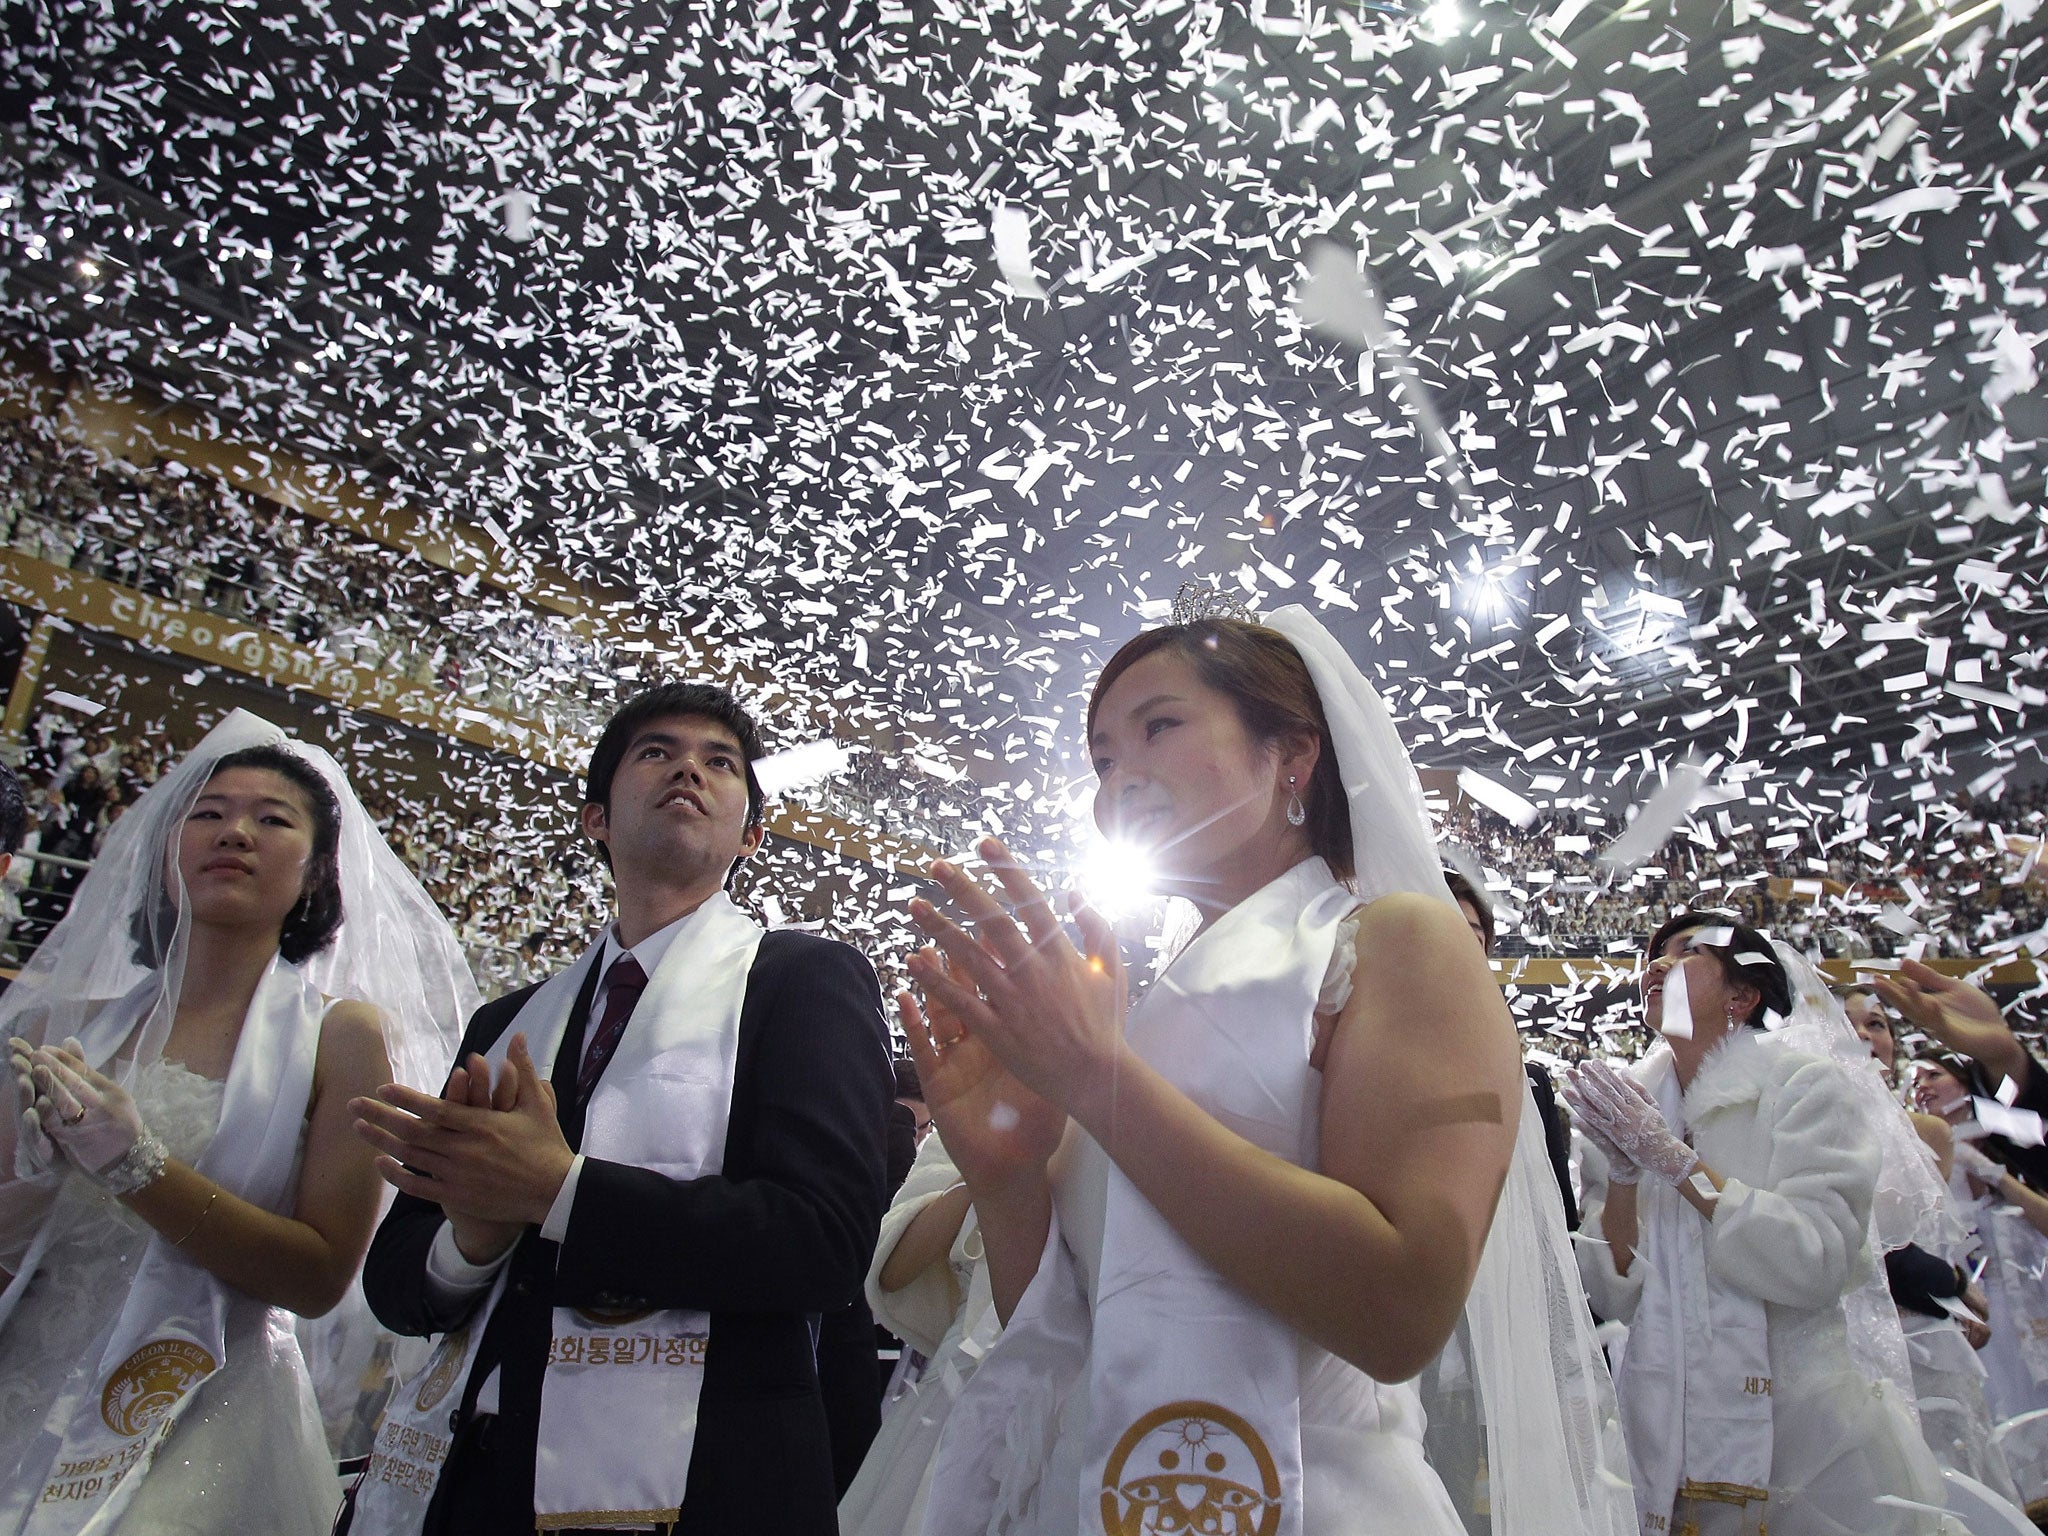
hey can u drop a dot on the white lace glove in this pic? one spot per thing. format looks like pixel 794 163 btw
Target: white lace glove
pixel 1622 1110
pixel 37 1154
pixel 94 1122
pixel 1973 1161
pixel 1621 1168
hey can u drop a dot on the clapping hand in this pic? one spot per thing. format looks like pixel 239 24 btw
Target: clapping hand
pixel 1621 1168
pixel 497 1166
pixel 470 1083
pixel 39 1153
pixel 991 1124
pixel 1023 1002
pixel 1960 1016
pixel 83 1113
pixel 1621 1110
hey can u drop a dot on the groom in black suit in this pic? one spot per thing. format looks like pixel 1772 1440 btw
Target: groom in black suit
pixel 490 1177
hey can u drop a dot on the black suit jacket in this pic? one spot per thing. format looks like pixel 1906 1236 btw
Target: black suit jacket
pixel 784 1232
pixel 1557 1138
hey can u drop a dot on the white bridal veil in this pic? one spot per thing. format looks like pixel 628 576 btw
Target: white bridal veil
pixel 111 971
pixel 1551 1439
pixel 1912 1203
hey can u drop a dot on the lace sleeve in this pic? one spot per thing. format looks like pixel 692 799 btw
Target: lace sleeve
pixel 1336 988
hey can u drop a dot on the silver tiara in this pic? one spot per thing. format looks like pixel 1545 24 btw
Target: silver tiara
pixel 1199 600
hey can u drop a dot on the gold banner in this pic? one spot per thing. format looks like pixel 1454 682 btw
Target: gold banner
pixel 90 602
pixel 241 647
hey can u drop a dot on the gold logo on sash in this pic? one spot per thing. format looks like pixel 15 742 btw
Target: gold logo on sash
pixel 612 1317
pixel 447 1366
pixel 1190 1469
pixel 147 1385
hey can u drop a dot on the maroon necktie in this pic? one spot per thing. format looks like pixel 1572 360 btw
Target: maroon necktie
pixel 624 983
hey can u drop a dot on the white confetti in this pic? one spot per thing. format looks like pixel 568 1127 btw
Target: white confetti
pixel 1011 228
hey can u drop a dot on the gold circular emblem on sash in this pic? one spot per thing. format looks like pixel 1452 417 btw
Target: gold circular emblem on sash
pixel 1190 1469
pixel 447 1366
pixel 147 1385
pixel 612 1317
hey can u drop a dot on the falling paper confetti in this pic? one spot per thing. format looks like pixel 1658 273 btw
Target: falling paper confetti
pixel 1011 228
pixel 1497 797
pixel 1655 820
pixel 85 707
pixel 1675 1017
pixel 793 768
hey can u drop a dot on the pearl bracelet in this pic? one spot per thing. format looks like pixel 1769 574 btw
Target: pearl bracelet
pixel 136 1169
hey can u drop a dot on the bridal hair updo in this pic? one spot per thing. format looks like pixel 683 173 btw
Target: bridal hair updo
pixel 1265 678
pixel 315 918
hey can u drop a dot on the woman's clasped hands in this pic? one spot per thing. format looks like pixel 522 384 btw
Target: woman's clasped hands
pixel 1019 1029
pixel 1618 1113
pixel 82 1114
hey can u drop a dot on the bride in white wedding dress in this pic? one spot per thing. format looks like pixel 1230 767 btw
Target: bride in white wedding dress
pixel 1226 1230
pixel 183 1176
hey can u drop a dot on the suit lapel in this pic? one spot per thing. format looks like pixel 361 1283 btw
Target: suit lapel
pixel 568 1060
pixel 523 1312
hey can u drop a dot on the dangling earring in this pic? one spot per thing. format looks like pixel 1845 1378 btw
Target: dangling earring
pixel 1297 813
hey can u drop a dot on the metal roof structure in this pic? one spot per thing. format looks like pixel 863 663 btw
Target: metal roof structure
pixel 1731 315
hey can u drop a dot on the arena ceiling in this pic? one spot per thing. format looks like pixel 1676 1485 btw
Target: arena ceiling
pixel 1732 315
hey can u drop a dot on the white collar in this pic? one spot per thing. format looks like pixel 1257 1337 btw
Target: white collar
pixel 648 951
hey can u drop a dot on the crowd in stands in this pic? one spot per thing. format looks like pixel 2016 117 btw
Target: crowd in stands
pixel 189 539
pixel 522 893
pixel 1959 878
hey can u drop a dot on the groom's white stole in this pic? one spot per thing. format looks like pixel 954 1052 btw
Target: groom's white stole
pixel 662 1104
pixel 171 1335
pixel 1192 1393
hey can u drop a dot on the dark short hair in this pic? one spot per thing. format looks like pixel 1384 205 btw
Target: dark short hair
pixel 13 811
pixel 316 917
pixel 1268 683
pixel 1747 959
pixel 907 1085
pixel 666 701
pixel 1463 890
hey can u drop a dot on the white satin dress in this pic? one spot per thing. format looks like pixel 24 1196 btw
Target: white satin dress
pixel 1363 1468
pixel 948 1316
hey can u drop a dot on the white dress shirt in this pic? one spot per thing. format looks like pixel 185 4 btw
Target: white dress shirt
pixel 451 1278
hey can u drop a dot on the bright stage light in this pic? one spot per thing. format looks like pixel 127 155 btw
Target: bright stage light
pixel 1443 20
pixel 1487 591
pixel 1117 879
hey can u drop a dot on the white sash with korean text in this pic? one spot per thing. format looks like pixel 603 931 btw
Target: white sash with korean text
pixel 170 1337
pixel 662 1104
